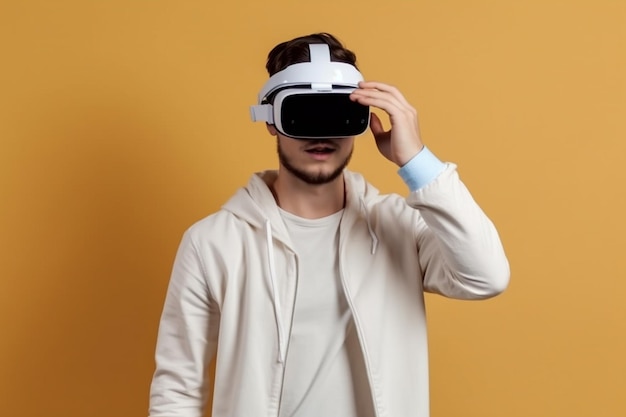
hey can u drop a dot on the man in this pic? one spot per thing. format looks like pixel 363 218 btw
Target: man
pixel 307 286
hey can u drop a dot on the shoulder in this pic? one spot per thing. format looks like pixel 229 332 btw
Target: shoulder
pixel 365 193
pixel 387 210
pixel 213 226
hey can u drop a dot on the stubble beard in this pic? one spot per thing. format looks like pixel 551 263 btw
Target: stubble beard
pixel 311 178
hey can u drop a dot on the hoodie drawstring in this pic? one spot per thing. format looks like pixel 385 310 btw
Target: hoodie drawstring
pixel 272 270
pixel 369 227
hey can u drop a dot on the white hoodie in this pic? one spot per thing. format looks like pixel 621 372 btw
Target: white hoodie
pixel 234 280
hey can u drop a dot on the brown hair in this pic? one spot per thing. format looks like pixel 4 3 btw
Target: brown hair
pixel 297 50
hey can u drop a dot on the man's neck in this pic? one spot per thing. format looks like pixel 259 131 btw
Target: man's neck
pixel 306 200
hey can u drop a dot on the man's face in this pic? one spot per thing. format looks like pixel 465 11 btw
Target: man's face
pixel 314 161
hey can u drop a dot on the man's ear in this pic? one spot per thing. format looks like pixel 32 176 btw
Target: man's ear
pixel 271 129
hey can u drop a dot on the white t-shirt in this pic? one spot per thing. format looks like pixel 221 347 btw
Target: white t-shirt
pixel 324 370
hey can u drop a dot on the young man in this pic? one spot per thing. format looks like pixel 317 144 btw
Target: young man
pixel 308 284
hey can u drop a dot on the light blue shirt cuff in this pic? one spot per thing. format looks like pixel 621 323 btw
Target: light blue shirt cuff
pixel 421 169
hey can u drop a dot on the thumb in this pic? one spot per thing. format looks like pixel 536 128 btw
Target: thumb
pixel 376 125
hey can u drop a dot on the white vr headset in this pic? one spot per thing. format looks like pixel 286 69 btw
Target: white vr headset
pixel 310 100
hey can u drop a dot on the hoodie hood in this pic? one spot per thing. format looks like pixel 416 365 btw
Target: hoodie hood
pixel 255 203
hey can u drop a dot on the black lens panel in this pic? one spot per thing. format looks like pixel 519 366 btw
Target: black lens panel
pixel 323 115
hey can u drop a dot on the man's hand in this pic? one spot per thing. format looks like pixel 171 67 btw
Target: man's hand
pixel 402 142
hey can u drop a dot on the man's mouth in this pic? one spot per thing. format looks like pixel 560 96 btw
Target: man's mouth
pixel 321 148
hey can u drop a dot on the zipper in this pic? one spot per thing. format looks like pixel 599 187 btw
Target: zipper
pixel 357 325
pixel 293 310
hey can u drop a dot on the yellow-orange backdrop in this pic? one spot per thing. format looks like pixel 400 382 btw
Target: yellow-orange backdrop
pixel 122 122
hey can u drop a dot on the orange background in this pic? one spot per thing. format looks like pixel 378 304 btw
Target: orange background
pixel 123 122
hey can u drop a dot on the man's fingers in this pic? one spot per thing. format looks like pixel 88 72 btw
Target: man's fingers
pixel 385 97
pixel 379 99
pixel 387 89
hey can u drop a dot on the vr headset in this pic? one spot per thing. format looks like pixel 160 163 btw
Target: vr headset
pixel 311 100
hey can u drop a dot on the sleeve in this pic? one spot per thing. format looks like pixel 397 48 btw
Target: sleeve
pixel 421 170
pixel 187 339
pixel 460 251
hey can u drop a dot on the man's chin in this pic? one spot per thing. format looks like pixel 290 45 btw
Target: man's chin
pixel 315 177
